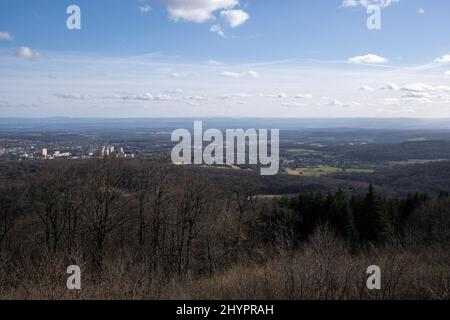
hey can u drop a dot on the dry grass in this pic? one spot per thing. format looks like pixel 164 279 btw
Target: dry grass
pixel 321 269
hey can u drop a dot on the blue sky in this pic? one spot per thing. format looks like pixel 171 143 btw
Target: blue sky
pixel 225 58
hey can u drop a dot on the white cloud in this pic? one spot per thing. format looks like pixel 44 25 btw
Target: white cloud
pixel 293 104
pixel 196 98
pixel 198 11
pixel 424 93
pixel 336 103
pixel 212 62
pixel 143 96
pixel 252 74
pixel 235 18
pixel 442 88
pixel 447 74
pixel 144 8
pixel 174 91
pixel 276 96
pixel 27 53
pixel 162 97
pixel 420 100
pixel 417 95
pixel 367 3
pixel 443 96
pixel 443 59
pixel 391 101
pixel 420 87
pixel 216 28
pixel 366 88
pixel 304 96
pixel 139 97
pixel 201 11
pixel 70 96
pixel 417 87
pixel 236 95
pixel 6 36
pixel 390 87
pixel 229 74
pixel 198 80
pixel 368 59
pixel 421 11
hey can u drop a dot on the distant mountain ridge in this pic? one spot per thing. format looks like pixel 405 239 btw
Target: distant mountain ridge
pixel 281 123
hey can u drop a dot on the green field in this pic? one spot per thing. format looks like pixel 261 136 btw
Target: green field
pixel 322 171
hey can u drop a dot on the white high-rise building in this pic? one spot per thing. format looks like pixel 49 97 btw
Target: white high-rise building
pixel 108 150
pixel 45 152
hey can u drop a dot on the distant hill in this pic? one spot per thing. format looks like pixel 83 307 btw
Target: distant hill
pixel 420 150
pixel 402 179
pixel 281 123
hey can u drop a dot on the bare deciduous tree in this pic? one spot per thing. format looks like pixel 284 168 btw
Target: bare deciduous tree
pixel 53 200
pixel 104 204
pixel 9 211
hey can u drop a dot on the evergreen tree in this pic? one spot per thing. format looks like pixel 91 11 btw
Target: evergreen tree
pixel 351 232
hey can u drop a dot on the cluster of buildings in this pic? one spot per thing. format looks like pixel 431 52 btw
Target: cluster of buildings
pixel 32 152
pixel 55 155
pixel 113 151
pixel 18 152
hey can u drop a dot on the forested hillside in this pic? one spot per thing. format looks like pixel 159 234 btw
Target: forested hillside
pixel 143 229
